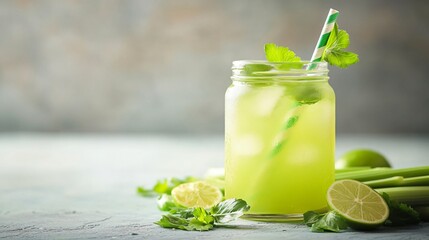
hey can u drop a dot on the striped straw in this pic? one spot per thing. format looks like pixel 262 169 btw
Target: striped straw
pixel 317 57
pixel 324 35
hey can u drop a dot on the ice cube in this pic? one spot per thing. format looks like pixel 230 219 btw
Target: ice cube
pixel 248 145
pixel 267 99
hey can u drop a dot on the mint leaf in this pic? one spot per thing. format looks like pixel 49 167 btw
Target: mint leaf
pixel 334 52
pixel 275 53
pixel 399 213
pixel 312 217
pixel 328 222
pixel 229 210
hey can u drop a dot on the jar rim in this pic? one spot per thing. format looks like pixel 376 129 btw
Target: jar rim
pixel 263 70
pixel 305 62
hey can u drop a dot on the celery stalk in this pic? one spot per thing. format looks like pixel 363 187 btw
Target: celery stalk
pixel 351 169
pixel 414 196
pixel 385 182
pixel 416 181
pixel 373 174
pixel 398 181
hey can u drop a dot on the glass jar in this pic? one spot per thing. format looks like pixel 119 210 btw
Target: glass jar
pixel 279 138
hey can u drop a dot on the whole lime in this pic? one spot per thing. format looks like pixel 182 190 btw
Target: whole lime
pixel 361 158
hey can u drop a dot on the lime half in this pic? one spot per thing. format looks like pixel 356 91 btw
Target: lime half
pixel 358 204
pixel 196 194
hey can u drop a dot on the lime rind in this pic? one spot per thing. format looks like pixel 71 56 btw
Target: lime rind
pixel 362 158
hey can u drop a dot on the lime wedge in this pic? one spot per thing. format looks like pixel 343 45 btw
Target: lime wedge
pixel 358 204
pixel 196 194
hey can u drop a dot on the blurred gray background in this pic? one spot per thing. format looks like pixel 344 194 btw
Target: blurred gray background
pixel 162 66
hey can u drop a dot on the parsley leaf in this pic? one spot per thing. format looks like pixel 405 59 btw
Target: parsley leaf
pixel 400 213
pixel 275 53
pixel 203 216
pixel 166 203
pixel 200 219
pixel 144 192
pixel 334 52
pixel 163 186
pixel 171 221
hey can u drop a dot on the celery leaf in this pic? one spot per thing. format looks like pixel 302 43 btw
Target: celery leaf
pixel 275 53
pixel 335 53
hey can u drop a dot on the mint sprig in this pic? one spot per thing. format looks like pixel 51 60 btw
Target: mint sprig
pixel 335 53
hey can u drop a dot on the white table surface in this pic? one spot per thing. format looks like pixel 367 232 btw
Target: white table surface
pixel 83 186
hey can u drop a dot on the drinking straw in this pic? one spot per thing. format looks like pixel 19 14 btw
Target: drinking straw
pixel 317 57
pixel 324 35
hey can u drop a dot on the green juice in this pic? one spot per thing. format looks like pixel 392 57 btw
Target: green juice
pixel 280 140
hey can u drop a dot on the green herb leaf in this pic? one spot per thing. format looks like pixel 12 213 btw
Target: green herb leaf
pixel 171 221
pixel 166 203
pixel 341 58
pixel 203 216
pixel 252 68
pixel 229 210
pixel 399 213
pixel 145 192
pixel 201 219
pixel 164 186
pixel 308 94
pixel 328 222
pixel 194 224
pixel 312 217
pixel 275 53
pixel 182 212
pixel 334 52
